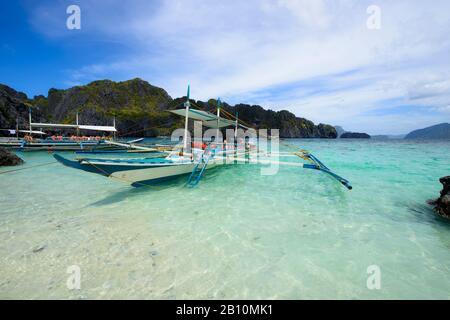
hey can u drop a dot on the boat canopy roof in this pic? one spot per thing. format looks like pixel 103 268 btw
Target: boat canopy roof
pixel 222 123
pixel 74 126
pixel 208 119
pixel 98 128
pixel 195 114
pixel 33 132
pixel 12 131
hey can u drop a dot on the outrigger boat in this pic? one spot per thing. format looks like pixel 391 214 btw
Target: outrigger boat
pixel 92 145
pixel 203 155
pixel 58 143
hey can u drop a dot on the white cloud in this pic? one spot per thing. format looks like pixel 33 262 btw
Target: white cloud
pixel 256 49
pixel 310 13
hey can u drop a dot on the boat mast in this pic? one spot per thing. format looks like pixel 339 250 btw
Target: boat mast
pixel 236 126
pixel 78 128
pixel 29 118
pixel 114 125
pixel 17 127
pixel 235 143
pixel 218 120
pixel 187 104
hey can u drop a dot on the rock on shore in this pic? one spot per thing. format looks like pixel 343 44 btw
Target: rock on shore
pixel 8 158
pixel 442 205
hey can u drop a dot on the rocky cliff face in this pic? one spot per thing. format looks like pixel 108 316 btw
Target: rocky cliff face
pixel 137 106
pixel 289 125
pixel 14 107
pixel 139 109
pixel 327 131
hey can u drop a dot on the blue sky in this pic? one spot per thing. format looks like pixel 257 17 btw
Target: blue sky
pixel 316 58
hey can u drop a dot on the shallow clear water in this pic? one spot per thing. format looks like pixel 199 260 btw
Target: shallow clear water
pixel 238 235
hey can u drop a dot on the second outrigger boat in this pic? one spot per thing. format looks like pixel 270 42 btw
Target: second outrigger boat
pixel 194 162
pixel 58 142
pixel 105 144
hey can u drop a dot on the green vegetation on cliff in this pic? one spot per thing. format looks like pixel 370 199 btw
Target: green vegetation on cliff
pixel 141 110
pixel 289 125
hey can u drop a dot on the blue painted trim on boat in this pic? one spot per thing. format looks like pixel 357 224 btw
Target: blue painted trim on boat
pixel 127 162
pixel 103 169
pixel 100 151
pixel 107 170
pixel 77 165
pixel 119 152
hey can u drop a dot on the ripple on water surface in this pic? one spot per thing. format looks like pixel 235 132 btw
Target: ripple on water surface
pixel 239 234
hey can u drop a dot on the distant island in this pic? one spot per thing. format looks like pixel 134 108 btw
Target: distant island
pixel 354 135
pixel 140 110
pixel 439 131
pixel 343 134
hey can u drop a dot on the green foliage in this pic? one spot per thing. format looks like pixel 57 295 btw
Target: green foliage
pixel 138 106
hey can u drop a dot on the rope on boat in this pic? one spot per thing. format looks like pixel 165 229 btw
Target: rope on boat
pixel 305 153
pixel 302 153
pixel 38 165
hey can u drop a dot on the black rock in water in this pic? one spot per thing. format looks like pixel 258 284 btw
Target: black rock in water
pixel 355 135
pixel 442 205
pixel 8 158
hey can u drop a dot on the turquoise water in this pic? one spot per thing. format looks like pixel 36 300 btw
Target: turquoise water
pixel 238 235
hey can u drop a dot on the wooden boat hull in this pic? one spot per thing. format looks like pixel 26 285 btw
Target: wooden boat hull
pixel 156 174
pixel 135 173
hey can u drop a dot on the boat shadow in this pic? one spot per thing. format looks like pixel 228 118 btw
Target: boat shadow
pixel 137 191
pixel 134 192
